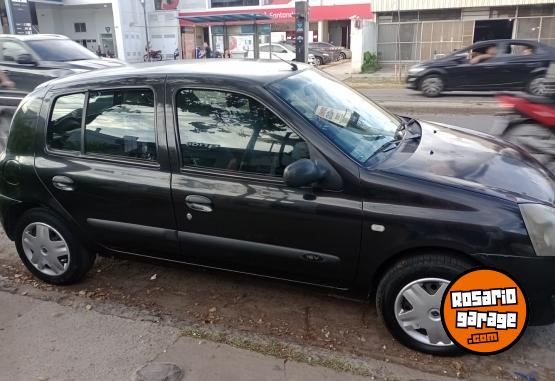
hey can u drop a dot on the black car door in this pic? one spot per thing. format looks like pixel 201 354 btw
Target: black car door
pixel 518 63
pixel 464 74
pixel 106 166
pixel 26 74
pixel 232 206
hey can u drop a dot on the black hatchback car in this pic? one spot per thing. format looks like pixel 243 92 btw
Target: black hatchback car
pixel 485 66
pixel 29 60
pixel 276 170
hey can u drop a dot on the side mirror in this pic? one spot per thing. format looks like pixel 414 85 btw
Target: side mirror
pixel 26 59
pixel 303 172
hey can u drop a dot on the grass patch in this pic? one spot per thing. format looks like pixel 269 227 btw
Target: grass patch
pixel 278 349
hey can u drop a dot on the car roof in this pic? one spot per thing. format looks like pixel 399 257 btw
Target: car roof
pixel 259 71
pixel 35 37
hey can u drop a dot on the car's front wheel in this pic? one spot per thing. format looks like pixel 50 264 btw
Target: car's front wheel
pixel 49 249
pixel 431 86
pixel 318 61
pixel 342 56
pixel 409 297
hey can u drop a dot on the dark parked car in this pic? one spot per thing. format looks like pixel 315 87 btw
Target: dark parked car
pixel 321 57
pixel 277 170
pixel 485 66
pixel 340 52
pixel 32 59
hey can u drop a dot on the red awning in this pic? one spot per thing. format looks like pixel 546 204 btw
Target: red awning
pixel 285 15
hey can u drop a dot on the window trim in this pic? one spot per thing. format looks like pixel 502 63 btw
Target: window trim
pixel 183 169
pixel 82 154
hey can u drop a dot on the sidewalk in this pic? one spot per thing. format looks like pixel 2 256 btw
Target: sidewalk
pixel 44 340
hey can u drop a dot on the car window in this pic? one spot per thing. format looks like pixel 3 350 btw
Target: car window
pixel 61 50
pixel 264 48
pixel 11 50
pixel 230 131
pixel 519 49
pixel 64 126
pixel 121 123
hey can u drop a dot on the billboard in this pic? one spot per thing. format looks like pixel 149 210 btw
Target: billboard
pixel 21 17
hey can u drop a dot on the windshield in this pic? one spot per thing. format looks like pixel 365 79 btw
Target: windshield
pixel 61 50
pixel 354 123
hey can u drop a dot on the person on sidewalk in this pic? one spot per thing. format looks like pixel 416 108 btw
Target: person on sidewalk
pixel 207 50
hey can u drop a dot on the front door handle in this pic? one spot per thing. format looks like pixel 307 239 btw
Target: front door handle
pixel 198 203
pixel 63 183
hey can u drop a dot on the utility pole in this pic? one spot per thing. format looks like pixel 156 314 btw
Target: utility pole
pixel 301 31
pixel 143 3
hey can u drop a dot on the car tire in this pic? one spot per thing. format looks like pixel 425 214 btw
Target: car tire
pixel 533 138
pixel 428 275
pixel 431 86
pixel 318 61
pixel 49 249
pixel 342 56
pixel 536 86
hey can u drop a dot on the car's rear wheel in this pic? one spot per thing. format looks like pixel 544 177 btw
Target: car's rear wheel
pixel 342 56
pixel 409 297
pixel 536 86
pixel 431 86
pixel 49 249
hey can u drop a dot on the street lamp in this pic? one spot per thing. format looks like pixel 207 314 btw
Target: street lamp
pixel 146 29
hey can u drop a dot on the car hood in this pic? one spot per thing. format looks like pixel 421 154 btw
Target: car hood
pixel 91 64
pixel 478 162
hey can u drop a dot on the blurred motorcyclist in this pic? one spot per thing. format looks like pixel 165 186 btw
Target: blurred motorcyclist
pixel 5 81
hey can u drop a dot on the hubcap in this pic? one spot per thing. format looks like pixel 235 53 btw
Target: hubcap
pixel 45 248
pixel 417 309
pixel 432 86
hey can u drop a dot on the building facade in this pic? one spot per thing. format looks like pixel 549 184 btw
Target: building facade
pixel 411 30
pixel 114 28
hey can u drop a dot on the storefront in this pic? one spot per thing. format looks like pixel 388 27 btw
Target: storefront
pixel 411 35
pixel 329 23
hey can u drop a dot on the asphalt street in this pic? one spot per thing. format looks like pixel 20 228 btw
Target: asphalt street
pixel 411 96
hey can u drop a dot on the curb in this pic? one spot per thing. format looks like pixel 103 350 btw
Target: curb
pixel 441 107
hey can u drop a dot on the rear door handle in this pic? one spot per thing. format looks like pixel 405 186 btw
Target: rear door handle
pixel 198 203
pixel 63 183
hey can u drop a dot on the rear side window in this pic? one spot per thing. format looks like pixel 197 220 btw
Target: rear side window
pixel 64 126
pixel 121 123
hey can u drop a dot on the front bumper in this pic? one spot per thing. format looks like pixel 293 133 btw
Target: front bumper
pixel 412 82
pixel 536 275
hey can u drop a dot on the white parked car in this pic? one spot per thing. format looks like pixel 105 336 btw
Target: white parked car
pixel 277 51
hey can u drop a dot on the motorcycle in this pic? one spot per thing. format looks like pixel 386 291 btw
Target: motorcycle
pixel 153 55
pixel 529 121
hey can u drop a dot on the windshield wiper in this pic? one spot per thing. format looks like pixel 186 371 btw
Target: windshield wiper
pixel 394 143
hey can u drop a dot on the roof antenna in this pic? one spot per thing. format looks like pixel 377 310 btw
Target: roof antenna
pixel 294 66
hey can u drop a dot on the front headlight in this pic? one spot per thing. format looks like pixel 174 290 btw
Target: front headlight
pixel 416 69
pixel 540 223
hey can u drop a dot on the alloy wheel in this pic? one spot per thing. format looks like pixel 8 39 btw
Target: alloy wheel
pixel 537 86
pixel 417 310
pixel 45 248
pixel 432 86
pixel 342 56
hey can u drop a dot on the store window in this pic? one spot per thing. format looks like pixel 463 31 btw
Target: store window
pixel 80 27
pixel 536 10
pixel 547 34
